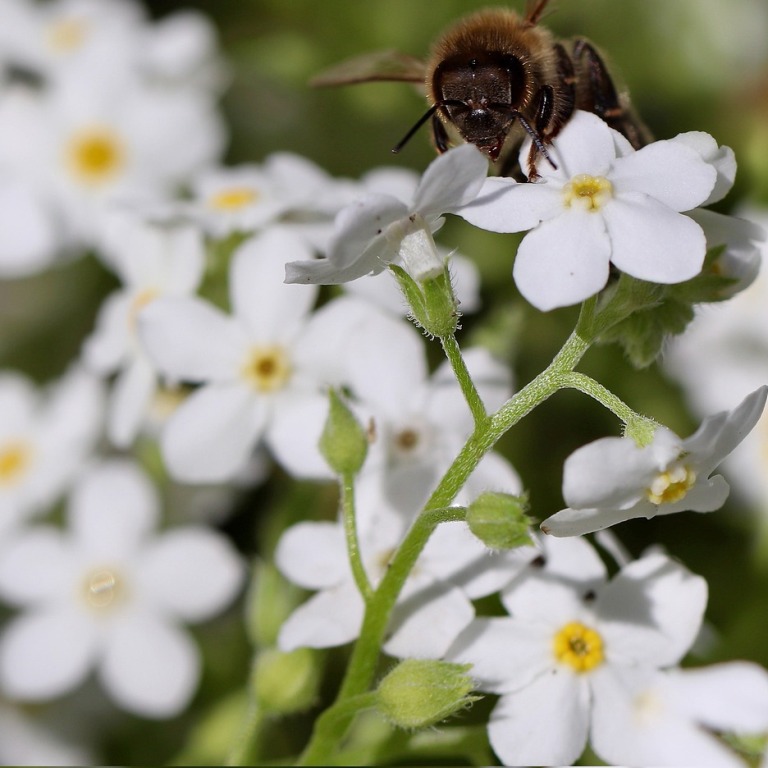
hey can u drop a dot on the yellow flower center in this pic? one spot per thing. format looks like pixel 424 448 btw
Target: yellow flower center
pixel 579 646
pixel 671 485
pixel 267 369
pixel 14 460
pixel 406 440
pixel 94 155
pixel 233 199
pixel 103 588
pixel 66 35
pixel 589 193
pixel 139 301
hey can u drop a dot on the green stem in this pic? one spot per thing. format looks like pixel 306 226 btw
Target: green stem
pixel 332 724
pixel 471 395
pixel 243 749
pixel 597 391
pixel 362 665
pixel 353 543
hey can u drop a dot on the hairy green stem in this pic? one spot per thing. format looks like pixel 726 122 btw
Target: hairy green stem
pixel 468 388
pixel 347 484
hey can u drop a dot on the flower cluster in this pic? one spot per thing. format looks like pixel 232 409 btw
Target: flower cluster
pixel 219 392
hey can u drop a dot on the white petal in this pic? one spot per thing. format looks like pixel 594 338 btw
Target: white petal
pixel 132 394
pixel 454 554
pixel 578 522
pixel 360 224
pixel 313 555
pixel 563 261
pixel 211 434
pixel 271 310
pixel 294 433
pixel 28 231
pixel 575 561
pixel 727 697
pixel 46 654
pixel 541 600
pixel 670 601
pixel 668 171
pixel 36 566
pixel 585 145
pixel 637 721
pixel 328 619
pixel 651 242
pixel 190 340
pixel 722 159
pixel 707 495
pixel 543 724
pixel 720 433
pixel 192 573
pixel 150 667
pixel 426 622
pixel 505 654
pixel 451 180
pixel 106 348
pixel 503 205
pixel 113 509
pixel 615 471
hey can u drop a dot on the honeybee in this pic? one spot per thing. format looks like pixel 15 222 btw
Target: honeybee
pixel 495 76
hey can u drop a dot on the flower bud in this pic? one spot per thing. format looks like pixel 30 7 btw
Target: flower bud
pixel 269 601
pixel 284 683
pixel 344 443
pixel 421 692
pixel 432 302
pixel 499 520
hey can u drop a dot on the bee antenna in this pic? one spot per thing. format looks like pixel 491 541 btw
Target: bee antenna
pixel 423 119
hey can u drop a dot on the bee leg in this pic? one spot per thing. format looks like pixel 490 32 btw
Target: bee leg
pixel 439 134
pixel 602 98
pixel 545 102
pixel 555 105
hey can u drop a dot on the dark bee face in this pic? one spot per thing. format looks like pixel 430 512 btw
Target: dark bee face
pixel 479 95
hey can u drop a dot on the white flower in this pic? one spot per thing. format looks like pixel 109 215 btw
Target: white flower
pixel 613 479
pixel 107 593
pixel 420 422
pixel 44 440
pixel 602 205
pixel 87 144
pixel 435 605
pixel 370 233
pixel 555 659
pixel 670 717
pixel 152 260
pixel 265 370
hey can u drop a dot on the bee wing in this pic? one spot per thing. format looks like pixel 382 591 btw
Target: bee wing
pixel 381 65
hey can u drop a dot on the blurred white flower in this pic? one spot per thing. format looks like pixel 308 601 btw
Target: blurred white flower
pixel 419 422
pixel 152 260
pixel 604 204
pixel 109 593
pixel 613 479
pixel 369 233
pixel 670 717
pixel 264 370
pixel 435 604
pixel 45 437
pixel 555 660
pixel 732 334
pixel 285 187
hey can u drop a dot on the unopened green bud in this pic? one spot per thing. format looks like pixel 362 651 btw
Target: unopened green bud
pixel 284 683
pixel 421 692
pixel 432 301
pixel 269 601
pixel 344 443
pixel 500 521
